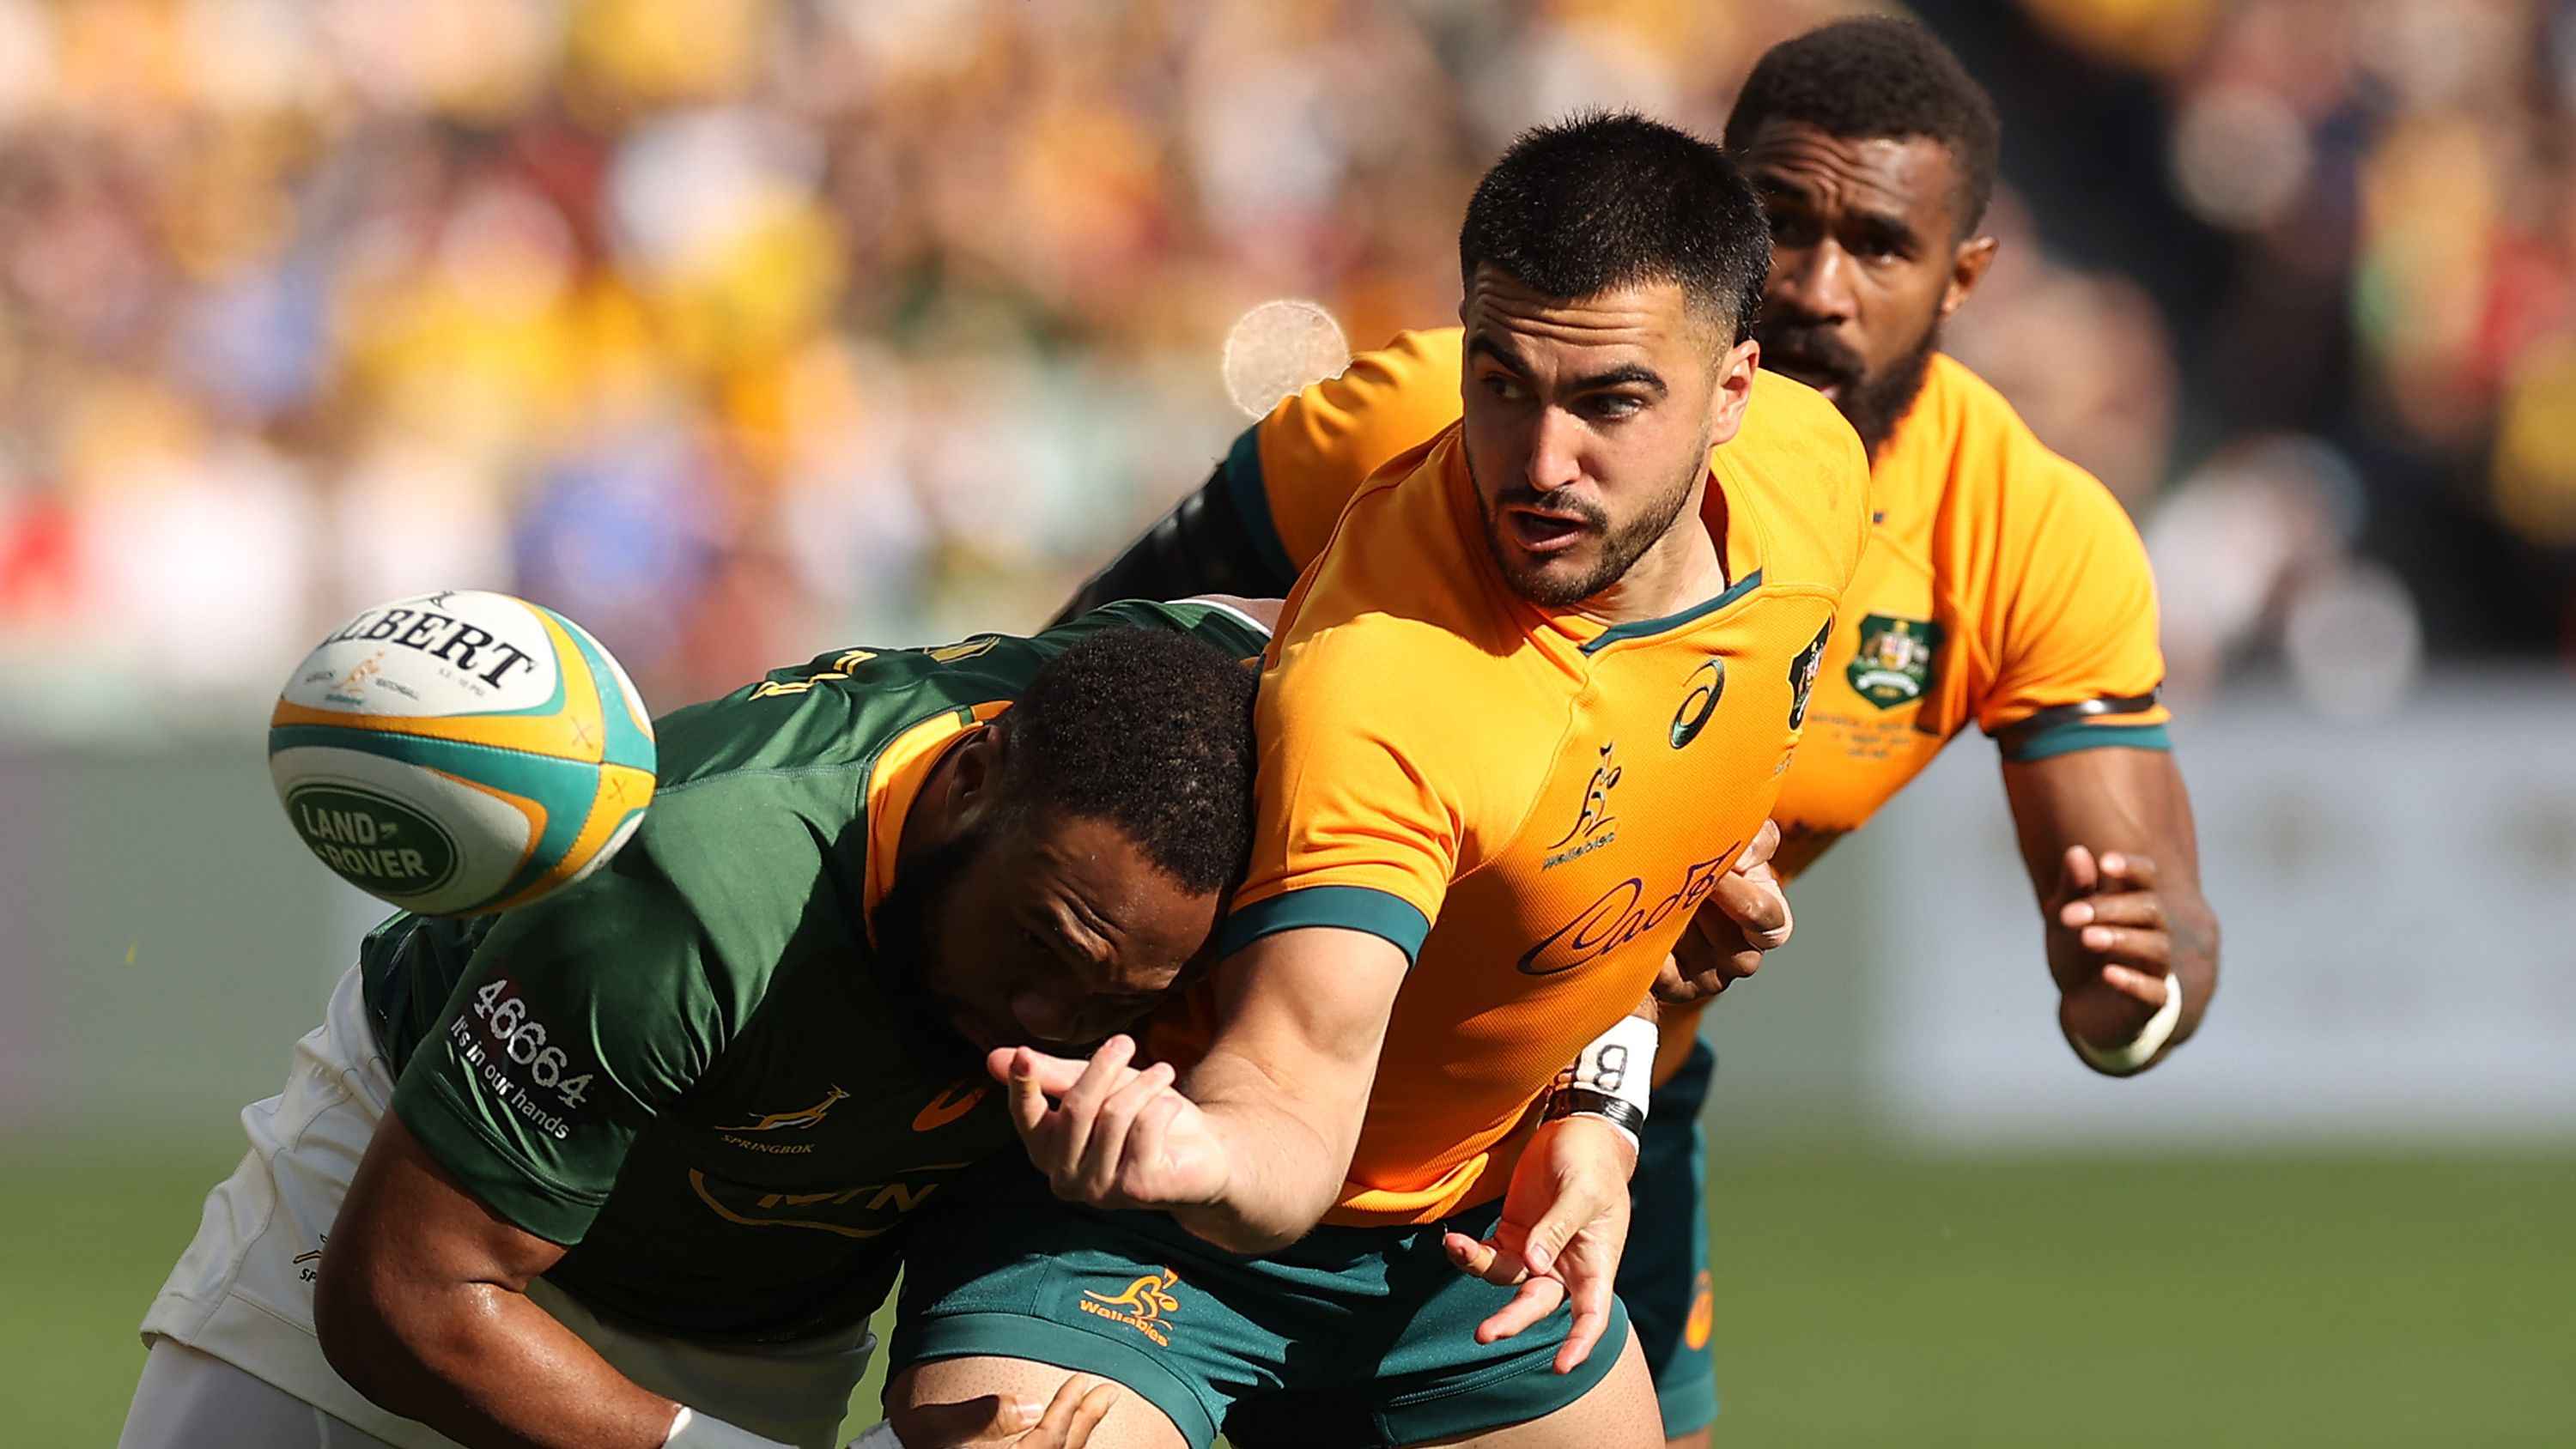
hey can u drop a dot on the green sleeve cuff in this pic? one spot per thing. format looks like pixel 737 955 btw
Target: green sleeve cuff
pixel 486 1168
pixel 1352 908
pixel 2074 735
pixel 1250 492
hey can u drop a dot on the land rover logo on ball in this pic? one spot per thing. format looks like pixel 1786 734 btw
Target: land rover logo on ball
pixel 375 843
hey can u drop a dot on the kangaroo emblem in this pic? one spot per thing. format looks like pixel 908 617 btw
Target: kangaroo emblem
pixel 1147 1297
pixel 781 1121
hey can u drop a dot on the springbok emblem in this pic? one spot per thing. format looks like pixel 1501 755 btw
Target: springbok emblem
pixel 781 1121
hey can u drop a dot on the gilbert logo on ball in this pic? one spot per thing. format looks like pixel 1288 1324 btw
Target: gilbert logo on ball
pixel 461 753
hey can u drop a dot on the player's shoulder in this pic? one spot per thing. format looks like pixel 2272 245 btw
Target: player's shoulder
pixel 2003 476
pixel 1401 597
pixel 1796 462
pixel 1399 560
pixel 1330 435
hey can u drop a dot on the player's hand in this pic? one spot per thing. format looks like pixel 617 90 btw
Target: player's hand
pixel 1746 914
pixel 1564 1225
pixel 2126 945
pixel 993 1420
pixel 1118 1137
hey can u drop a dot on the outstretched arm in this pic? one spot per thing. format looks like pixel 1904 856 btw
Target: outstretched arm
pixel 2107 837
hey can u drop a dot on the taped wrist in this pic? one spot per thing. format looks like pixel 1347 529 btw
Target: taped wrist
pixel 2121 1061
pixel 1609 1079
pixel 693 1430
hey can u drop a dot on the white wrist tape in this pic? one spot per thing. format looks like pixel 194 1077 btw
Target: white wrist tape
pixel 880 1435
pixel 2121 1061
pixel 1610 1079
pixel 693 1430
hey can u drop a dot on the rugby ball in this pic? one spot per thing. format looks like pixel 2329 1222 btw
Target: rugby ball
pixel 461 753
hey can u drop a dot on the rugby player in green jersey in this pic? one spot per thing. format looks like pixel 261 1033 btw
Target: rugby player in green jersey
pixel 629 1168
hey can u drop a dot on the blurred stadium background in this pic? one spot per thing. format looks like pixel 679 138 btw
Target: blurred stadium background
pixel 740 329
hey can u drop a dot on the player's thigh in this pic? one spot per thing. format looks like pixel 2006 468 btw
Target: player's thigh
pixel 1618 1413
pixel 1132 1423
pixel 188 1399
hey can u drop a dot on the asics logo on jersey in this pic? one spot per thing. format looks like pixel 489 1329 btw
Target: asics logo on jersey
pixel 947 1107
pixel 1595 827
pixel 1140 1307
pixel 1699 701
pixel 1620 917
pixel 781 1121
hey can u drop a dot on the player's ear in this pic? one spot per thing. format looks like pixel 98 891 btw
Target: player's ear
pixel 1730 387
pixel 975 770
pixel 1968 263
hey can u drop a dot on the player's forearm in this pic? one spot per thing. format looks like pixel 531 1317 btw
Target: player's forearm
pixel 1286 1155
pixel 484 1366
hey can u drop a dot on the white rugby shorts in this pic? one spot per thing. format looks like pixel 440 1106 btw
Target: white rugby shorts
pixel 243 1292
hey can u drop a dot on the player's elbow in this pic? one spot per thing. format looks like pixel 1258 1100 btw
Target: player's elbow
pixel 380 1334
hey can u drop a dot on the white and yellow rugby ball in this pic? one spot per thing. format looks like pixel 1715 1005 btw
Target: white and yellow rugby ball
pixel 461 752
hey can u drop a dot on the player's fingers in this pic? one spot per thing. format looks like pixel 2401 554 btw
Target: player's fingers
pixel 1028 1101
pixel 2118 908
pixel 1582 1338
pixel 2128 946
pixel 1104 1153
pixel 1672 985
pixel 1476 1258
pixel 1105 1075
pixel 2076 875
pixel 2129 868
pixel 1536 1299
pixel 1758 851
pixel 1081 1418
pixel 1576 1208
pixel 1758 907
pixel 1054 1075
pixel 987 1419
pixel 1075 1114
pixel 2136 985
pixel 1142 1163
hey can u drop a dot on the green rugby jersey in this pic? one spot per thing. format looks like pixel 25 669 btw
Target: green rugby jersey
pixel 692 1068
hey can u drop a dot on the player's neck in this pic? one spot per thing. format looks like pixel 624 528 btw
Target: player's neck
pixel 1681 570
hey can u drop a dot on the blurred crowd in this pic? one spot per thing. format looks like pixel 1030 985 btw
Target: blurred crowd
pixel 740 329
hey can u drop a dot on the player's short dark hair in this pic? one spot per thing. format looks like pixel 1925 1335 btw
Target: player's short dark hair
pixel 1612 199
pixel 1151 731
pixel 1878 78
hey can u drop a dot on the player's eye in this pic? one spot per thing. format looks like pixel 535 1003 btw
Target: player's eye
pixel 1612 407
pixel 1791 231
pixel 1504 386
pixel 1876 246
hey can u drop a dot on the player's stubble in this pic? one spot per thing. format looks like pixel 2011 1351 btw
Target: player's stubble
pixel 1620 544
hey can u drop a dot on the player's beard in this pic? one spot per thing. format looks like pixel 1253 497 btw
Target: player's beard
pixel 1621 545
pixel 911 963
pixel 1873 405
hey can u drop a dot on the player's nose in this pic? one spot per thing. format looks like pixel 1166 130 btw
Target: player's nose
pixel 1811 284
pixel 1554 451
pixel 1042 1017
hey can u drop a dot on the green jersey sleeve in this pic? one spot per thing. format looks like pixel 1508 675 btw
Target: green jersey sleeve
pixel 578 1020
